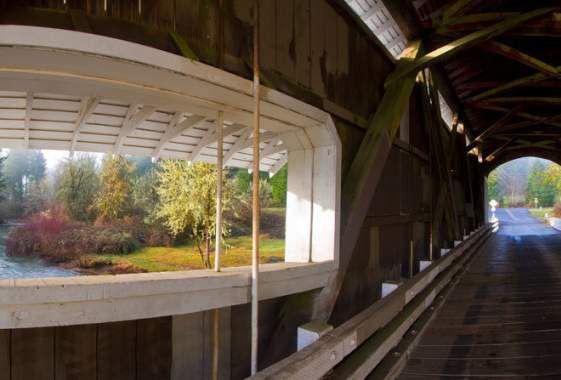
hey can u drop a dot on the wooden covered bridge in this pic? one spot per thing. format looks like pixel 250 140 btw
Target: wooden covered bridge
pixel 389 114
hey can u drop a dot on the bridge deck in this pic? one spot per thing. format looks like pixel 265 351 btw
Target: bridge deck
pixel 503 318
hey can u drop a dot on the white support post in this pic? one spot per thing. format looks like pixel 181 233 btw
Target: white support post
pixel 219 165
pixel 256 206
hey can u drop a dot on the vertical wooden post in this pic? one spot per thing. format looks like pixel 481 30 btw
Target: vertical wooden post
pixel 218 237
pixel 411 258
pixel 256 205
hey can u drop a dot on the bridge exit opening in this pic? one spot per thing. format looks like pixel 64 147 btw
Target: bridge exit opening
pixel 526 193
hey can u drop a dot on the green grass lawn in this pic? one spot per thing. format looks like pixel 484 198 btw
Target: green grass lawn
pixel 162 259
pixel 540 213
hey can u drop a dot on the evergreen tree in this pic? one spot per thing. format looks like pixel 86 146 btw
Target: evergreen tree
pixel 22 169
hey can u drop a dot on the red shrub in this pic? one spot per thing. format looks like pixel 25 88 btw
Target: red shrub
pixel 37 235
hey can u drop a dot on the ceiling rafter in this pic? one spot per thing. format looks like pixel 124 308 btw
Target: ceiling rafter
pixel 176 128
pixel 240 141
pixel 527 80
pixel 132 120
pixel 87 107
pixel 494 127
pixel 247 142
pixel 459 8
pixel 521 57
pixel 524 115
pixel 210 137
pixel 497 151
pixel 278 166
pixel 27 122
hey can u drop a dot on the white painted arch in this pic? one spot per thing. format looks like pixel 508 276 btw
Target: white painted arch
pixel 66 90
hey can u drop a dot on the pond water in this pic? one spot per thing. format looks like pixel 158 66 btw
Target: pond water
pixel 25 267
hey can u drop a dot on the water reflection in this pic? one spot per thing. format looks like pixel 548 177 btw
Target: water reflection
pixel 24 267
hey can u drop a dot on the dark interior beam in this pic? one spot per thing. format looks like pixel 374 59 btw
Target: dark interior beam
pixel 461 44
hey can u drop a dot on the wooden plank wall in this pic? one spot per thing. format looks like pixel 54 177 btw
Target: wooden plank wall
pixel 135 350
pixel 312 50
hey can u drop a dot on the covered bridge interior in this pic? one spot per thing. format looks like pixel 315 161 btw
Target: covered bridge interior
pixel 389 114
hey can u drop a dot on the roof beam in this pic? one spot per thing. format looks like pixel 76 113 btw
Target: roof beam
pixel 274 146
pixel 131 122
pixel 245 141
pixel 528 80
pixel 463 43
pixel 525 124
pixel 240 142
pixel 175 129
pixel 498 124
pixel 497 151
pixel 278 166
pixel 87 107
pixel 471 22
pixel 459 8
pixel 536 100
pixel 210 137
pixel 520 57
pixel 27 123
pixel 547 27
pixel 524 115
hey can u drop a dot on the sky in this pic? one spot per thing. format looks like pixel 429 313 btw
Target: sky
pixel 53 157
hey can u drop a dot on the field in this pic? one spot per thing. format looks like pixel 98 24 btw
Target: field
pixel 162 259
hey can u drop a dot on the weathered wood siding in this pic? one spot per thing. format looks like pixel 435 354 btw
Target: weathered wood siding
pixel 134 350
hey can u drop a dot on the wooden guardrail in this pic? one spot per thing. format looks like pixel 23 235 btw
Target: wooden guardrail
pixel 317 359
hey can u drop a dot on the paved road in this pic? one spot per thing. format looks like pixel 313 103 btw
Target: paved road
pixel 503 319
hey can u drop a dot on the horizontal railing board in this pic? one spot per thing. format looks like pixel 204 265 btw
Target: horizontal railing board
pixel 320 357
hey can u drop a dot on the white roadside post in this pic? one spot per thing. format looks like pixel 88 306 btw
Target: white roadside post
pixel 493 203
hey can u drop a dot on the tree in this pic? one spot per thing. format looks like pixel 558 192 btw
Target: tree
pixel 3 183
pixel 539 188
pixel 145 195
pixel 22 168
pixel 142 165
pixel 492 186
pixel 512 181
pixel 114 199
pixel 76 187
pixel 279 186
pixel 188 202
pixel 38 197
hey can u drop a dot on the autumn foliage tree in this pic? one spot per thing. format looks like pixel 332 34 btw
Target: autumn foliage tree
pixel 187 195
pixel 76 186
pixel 114 199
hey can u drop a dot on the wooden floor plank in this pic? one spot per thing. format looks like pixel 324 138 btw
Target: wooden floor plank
pixel 503 319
